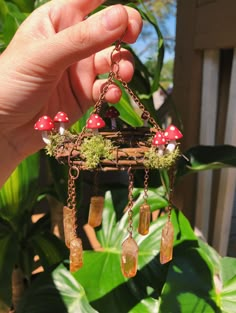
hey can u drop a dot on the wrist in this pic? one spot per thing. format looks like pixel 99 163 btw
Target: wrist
pixel 9 158
pixel 15 146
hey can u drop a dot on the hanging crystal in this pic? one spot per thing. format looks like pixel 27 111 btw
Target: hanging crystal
pixel 95 211
pixel 76 254
pixel 144 219
pixel 69 224
pixel 129 257
pixel 167 242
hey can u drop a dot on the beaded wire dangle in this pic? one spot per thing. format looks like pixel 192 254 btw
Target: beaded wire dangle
pixel 129 253
pixel 145 212
pixel 167 236
pixel 96 206
pixel 73 242
pixel 123 149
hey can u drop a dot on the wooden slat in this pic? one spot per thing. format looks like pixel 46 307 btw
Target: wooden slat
pixel 210 83
pixel 227 184
pixel 215 25
pixel 186 96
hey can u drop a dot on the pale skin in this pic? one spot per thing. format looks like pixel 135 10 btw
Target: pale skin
pixel 52 65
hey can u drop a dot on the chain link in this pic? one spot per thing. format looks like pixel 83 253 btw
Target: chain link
pixel 130 202
pixel 73 175
pixel 114 74
pixel 171 190
pixel 145 189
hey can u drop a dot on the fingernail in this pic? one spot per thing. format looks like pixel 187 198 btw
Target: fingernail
pixel 111 18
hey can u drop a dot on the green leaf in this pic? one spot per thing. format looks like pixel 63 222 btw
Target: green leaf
pixel 12 17
pixel 228 269
pixel 108 285
pixel 127 111
pixel 9 248
pixel 20 191
pixel 50 249
pixel 24 5
pixel 228 296
pixel 189 285
pixel 58 292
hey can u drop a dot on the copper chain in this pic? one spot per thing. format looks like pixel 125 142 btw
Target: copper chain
pixel 73 175
pixel 130 203
pixel 114 74
pixel 171 190
pixel 145 189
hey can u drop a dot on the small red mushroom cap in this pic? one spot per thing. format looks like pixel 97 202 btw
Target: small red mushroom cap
pixel 112 112
pixel 172 133
pixel 44 123
pixel 159 139
pixel 61 117
pixel 95 121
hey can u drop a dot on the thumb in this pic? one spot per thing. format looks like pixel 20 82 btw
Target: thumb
pixel 90 36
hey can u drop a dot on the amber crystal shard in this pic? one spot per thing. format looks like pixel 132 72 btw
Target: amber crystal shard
pixel 69 224
pixel 129 257
pixel 144 219
pixel 76 254
pixel 167 241
pixel 95 211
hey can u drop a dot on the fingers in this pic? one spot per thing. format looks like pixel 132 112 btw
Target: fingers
pixel 64 13
pixel 113 94
pixel 102 62
pixel 94 34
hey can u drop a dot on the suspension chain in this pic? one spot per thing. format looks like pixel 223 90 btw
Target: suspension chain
pixel 114 74
pixel 130 202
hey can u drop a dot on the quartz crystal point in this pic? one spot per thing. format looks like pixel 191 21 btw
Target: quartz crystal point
pixel 69 224
pixel 76 254
pixel 144 219
pixel 129 257
pixel 167 241
pixel 95 211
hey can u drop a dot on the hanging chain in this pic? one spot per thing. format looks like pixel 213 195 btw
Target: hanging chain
pixel 145 189
pixel 73 175
pixel 171 190
pixel 130 202
pixel 114 74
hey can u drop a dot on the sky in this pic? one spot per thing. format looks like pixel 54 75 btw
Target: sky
pixel 145 46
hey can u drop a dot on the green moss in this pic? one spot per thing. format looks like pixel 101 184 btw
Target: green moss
pixel 94 149
pixel 57 140
pixel 154 161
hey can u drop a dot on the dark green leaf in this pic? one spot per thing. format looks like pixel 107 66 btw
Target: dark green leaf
pixel 55 292
pixel 50 249
pixel 24 5
pixel 189 285
pixel 9 248
pixel 201 158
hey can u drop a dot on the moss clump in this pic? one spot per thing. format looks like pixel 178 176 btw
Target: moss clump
pixel 154 161
pixel 94 149
pixel 58 140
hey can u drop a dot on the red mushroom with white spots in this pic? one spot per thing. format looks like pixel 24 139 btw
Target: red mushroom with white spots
pixel 95 122
pixel 159 141
pixel 44 124
pixel 172 133
pixel 61 118
pixel 112 113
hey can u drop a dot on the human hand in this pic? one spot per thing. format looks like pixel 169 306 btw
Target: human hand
pixel 52 63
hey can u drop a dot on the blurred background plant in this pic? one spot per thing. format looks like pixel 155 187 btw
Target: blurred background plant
pixel 34 260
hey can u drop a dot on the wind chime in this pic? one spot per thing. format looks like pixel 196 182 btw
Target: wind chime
pixel 99 148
